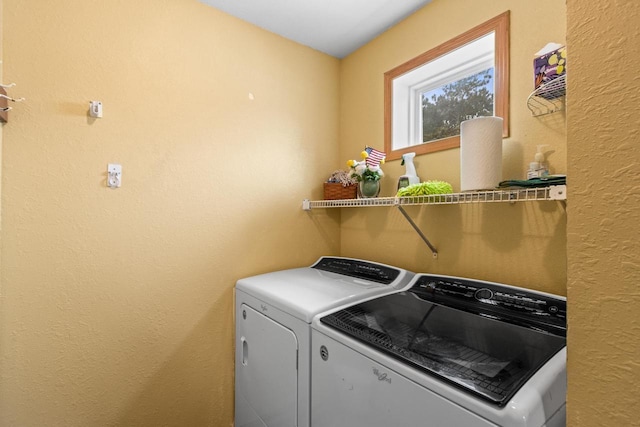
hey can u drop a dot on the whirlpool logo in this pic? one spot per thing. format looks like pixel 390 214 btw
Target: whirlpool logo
pixel 382 376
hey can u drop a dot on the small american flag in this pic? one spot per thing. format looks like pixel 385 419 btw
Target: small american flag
pixel 375 156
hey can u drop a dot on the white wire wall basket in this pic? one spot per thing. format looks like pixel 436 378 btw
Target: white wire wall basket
pixel 549 97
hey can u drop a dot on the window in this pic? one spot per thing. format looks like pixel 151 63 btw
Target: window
pixel 428 97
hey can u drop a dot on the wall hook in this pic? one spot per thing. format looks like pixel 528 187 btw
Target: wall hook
pixel 10 98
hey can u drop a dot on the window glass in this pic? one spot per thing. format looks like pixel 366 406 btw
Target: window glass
pixel 428 97
pixel 445 107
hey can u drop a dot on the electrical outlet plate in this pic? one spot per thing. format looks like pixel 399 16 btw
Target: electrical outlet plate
pixel 95 109
pixel 114 175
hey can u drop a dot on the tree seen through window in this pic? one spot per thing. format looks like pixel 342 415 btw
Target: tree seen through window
pixel 444 108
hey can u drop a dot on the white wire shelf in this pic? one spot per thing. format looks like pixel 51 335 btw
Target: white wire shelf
pixel 549 97
pixel 554 192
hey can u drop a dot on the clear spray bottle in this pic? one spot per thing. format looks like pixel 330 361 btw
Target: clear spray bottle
pixel 410 176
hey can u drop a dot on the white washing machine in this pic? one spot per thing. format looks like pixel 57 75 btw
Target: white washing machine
pixel 273 332
pixel 445 352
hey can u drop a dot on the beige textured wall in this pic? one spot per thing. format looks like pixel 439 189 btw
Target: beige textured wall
pixel 522 244
pixel 604 213
pixel 1 134
pixel 117 304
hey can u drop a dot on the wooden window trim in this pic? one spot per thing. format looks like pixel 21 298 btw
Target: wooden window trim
pixel 499 25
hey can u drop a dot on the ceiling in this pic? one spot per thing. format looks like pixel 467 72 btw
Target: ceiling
pixel 335 27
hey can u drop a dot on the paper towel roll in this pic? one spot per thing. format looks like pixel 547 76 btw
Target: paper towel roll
pixel 480 153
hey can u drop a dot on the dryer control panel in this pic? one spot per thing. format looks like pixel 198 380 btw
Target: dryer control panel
pixel 358 268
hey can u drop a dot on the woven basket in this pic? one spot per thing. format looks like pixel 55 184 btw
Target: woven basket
pixel 335 191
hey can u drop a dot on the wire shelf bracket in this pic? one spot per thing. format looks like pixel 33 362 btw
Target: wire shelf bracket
pixel 404 213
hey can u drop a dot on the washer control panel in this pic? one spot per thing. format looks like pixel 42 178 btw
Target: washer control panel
pixel 480 295
pixel 358 268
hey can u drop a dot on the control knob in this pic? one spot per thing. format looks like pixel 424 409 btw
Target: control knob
pixel 483 294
